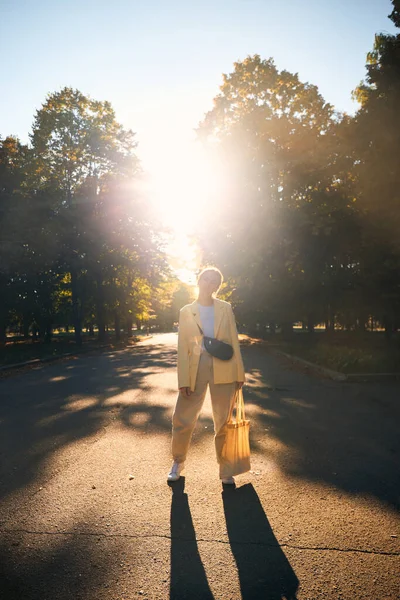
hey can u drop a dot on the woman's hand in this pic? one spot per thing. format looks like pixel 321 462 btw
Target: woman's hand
pixel 239 385
pixel 185 391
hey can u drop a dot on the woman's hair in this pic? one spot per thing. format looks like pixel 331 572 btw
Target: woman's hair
pixel 211 270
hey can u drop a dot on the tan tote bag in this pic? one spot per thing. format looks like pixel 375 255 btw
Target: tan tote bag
pixel 235 456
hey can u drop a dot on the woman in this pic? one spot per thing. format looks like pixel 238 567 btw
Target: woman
pixel 197 369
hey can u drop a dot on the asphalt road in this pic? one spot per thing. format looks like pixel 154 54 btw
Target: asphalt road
pixel 86 512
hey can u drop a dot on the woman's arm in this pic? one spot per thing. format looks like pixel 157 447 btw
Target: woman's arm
pixel 183 353
pixel 236 348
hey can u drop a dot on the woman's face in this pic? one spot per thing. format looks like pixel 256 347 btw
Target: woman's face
pixel 209 282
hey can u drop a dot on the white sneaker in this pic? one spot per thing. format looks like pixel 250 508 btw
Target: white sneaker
pixel 175 471
pixel 228 481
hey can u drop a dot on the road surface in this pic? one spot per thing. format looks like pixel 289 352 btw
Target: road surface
pixel 86 512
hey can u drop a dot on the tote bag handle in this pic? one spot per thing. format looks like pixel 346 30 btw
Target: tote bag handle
pixel 239 406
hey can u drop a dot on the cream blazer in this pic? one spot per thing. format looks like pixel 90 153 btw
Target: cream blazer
pixel 190 339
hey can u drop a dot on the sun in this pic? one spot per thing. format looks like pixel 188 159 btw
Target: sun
pixel 183 185
pixel 183 190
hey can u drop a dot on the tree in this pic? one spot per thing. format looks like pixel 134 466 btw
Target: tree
pixel 13 164
pixel 395 14
pixel 377 144
pixel 79 243
pixel 170 296
pixel 77 143
pixel 287 196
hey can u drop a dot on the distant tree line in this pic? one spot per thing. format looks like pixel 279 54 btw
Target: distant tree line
pixel 79 246
pixel 306 227
pixel 309 226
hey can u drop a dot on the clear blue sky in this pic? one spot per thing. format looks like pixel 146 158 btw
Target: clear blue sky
pixel 159 62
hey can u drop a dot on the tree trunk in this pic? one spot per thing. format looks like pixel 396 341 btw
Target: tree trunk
pixel 310 323
pixel 100 309
pixel 388 325
pixel 129 325
pixel 371 323
pixel 360 324
pixel 330 322
pixel 3 334
pixel 48 332
pixel 287 329
pixel 129 317
pixel 41 331
pixel 25 326
pixel 76 316
pixel 117 325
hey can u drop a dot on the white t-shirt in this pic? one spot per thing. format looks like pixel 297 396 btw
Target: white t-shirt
pixel 207 319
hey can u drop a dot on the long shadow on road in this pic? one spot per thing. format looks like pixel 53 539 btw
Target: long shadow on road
pixel 264 571
pixel 188 577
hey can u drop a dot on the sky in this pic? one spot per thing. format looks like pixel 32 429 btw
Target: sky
pixel 160 62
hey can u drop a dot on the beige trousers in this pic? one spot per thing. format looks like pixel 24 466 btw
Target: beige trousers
pixel 187 410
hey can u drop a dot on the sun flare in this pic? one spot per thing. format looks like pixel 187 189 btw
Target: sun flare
pixel 183 188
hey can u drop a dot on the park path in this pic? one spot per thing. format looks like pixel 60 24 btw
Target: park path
pixel 86 512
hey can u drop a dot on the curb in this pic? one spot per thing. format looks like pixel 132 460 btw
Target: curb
pixel 35 361
pixel 335 375
pixel 372 377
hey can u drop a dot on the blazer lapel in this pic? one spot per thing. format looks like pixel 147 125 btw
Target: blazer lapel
pixel 196 313
pixel 218 312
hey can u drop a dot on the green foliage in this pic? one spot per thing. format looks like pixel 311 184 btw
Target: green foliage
pixel 85 242
pixel 365 358
pixel 77 140
pixel 395 14
pixel 305 227
pixel 169 297
pixel 308 228
pixel 376 144
pixel 278 230
pixel 14 160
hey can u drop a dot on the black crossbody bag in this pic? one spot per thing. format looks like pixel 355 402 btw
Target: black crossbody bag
pixel 216 348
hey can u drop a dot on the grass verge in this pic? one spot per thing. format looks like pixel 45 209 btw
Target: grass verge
pixel 344 352
pixel 15 352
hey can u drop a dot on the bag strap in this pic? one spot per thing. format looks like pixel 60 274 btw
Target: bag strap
pixel 238 406
pixel 201 331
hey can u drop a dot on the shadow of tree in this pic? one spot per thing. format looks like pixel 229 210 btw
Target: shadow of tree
pixel 341 434
pixel 264 571
pixel 188 577
pixel 67 566
pixel 344 435
pixel 43 411
pixel 327 432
